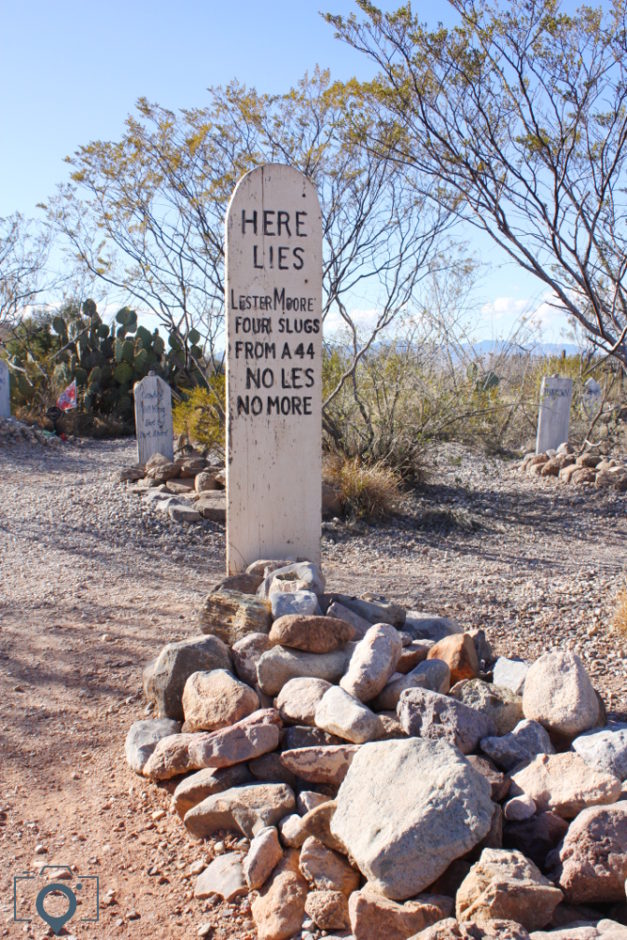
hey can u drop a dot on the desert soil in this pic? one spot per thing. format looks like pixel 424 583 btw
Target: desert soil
pixel 92 585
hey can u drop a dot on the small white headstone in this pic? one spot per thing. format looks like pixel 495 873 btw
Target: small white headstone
pixel 554 414
pixel 5 396
pixel 591 398
pixel 274 383
pixel 153 418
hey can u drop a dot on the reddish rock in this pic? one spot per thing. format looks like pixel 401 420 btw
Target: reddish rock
pixel 459 653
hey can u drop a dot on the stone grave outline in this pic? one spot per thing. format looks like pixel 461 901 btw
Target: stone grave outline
pixel 273 300
pixel 5 390
pixel 153 418
pixel 553 412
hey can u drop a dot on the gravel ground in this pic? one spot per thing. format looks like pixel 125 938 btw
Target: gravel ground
pixel 92 584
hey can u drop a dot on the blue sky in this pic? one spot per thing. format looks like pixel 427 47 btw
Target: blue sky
pixel 71 72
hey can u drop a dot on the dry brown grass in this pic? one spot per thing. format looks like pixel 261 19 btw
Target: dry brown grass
pixel 620 615
pixel 368 491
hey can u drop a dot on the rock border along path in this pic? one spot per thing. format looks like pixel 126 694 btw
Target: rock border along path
pixel 92 586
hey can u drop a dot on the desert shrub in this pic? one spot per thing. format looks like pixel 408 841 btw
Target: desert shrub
pixel 200 415
pixel 367 491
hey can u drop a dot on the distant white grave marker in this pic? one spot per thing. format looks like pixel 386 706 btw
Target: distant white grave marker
pixel 5 396
pixel 153 418
pixel 591 398
pixel 274 333
pixel 554 414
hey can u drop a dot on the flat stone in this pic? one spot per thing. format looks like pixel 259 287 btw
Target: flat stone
pixel 605 748
pixel 142 739
pixel 311 634
pixel 244 809
pixel 504 884
pixel 501 705
pixel 374 611
pixel 510 674
pixel 325 869
pixel 269 768
pixel 527 740
pixel 279 909
pixel 198 786
pixel 299 602
pixel 251 737
pixel 341 714
pixel 340 612
pixel 232 615
pixel 591 863
pixel 320 764
pixel 216 699
pixel 432 674
pixel 429 626
pixel 186 514
pixel 279 665
pixel 430 715
pixel 244 583
pixel 459 653
pixel 246 654
pixel 558 693
pixel 407 809
pixel 181 487
pixel 374 917
pixel 565 784
pixel 264 855
pixel 298 699
pixel 165 680
pixel 224 877
pixel 212 506
pixel 328 910
pixel 372 663
pixel 297 576
pixel 535 837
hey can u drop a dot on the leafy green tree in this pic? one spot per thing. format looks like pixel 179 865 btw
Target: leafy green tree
pixel 516 118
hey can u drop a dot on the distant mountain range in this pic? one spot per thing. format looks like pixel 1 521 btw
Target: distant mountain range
pixel 489 347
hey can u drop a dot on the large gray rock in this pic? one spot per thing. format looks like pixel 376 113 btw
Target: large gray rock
pixel 325 764
pixel 243 809
pixel 142 738
pixel 558 693
pixel 605 748
pixel 527 740
pixel 298 699
pixel 360 624
pixel 299 602
pixel 341 714
pixel 374 610
pixel 431 674
pixel 407 809
pixel 164 680
pixel 279 665
pixel 223 876
pixel 429 626
pixel 198 786
pixel 372 663
pixel 564 783
pixel 428 714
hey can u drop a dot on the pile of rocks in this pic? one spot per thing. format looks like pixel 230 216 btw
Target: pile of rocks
pixel 14 431
pixel 385 776
pixel 591 468
pixel 189 488
pixel 192 487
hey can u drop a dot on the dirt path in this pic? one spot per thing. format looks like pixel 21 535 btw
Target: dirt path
pixel 91 587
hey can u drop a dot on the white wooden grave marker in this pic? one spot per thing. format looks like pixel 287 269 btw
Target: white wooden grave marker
pixel 591 398
pixel 5 396
pixel 153 418
pixel 274 357
pixel 554 414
